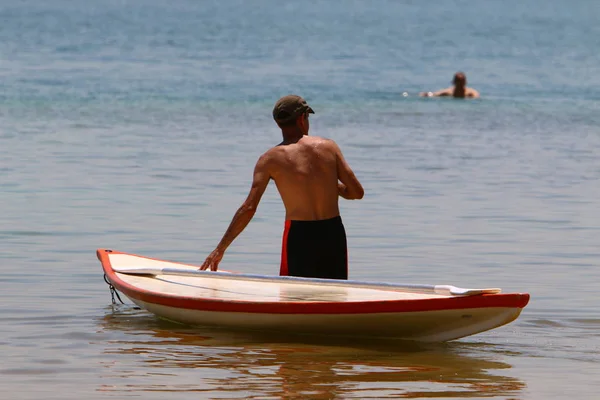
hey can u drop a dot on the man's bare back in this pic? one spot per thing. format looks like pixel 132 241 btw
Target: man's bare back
pixel 306 173
pixel 310 174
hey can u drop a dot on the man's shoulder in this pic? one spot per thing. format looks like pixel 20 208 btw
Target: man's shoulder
pixel 272 154
pixel 472 92
pixel 321 140
pixel 268 155
pixel 306 140
pixel 449 91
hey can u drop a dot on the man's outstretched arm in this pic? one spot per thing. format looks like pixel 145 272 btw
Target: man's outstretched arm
pixel 439 93
pixel 242 216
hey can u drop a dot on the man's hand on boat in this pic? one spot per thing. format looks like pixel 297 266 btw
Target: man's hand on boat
pixel 213 260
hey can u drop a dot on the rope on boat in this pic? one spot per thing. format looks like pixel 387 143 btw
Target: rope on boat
pixel 113 291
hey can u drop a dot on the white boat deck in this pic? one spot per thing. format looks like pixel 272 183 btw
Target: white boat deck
pixel 251 290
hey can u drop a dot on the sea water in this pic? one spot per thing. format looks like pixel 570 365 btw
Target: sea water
pixel 135 125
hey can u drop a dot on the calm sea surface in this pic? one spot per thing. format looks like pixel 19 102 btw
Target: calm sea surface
pixel 135 125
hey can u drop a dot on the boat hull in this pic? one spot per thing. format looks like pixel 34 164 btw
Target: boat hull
pixel 427 326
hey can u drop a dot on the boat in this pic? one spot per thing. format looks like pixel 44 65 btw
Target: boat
pixel 426 313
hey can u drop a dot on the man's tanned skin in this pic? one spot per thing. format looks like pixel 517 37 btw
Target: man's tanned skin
pixel 310 174
pixel 459 90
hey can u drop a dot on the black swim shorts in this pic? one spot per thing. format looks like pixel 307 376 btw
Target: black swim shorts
pixel 315 249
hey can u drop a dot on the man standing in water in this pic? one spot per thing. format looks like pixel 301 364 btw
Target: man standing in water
pixel 459 90
pixel 310 174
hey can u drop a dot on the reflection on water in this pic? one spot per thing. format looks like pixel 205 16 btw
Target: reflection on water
pixel 150 355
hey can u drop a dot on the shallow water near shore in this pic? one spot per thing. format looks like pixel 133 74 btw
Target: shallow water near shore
pixel 136 127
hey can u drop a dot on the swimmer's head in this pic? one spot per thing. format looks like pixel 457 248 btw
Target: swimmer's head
pixel 459 79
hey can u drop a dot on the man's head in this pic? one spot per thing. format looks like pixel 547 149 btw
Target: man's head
pixel 291 110
pixel 459 79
